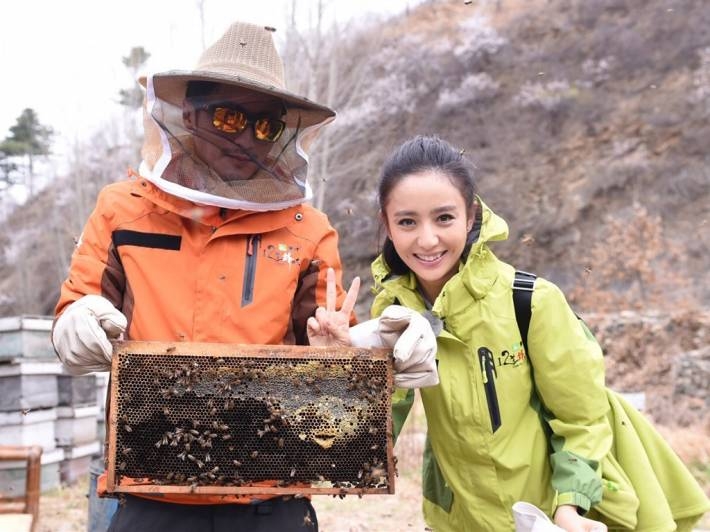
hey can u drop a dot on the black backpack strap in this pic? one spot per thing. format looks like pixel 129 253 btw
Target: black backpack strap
pixel 523 286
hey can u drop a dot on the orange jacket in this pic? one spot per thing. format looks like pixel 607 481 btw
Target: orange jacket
pixel 185 272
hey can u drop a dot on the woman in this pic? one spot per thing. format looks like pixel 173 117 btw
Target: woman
pixel 496 433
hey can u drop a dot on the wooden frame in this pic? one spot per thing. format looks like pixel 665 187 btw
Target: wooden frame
pixel 14 509
pixel 279 358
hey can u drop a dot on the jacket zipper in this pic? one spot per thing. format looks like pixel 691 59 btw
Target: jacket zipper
pixel 488 372
pixel 250 269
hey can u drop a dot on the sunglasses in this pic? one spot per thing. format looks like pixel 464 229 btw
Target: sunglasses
pixel 232 120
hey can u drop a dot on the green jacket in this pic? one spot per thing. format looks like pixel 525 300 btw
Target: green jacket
pixel 495 436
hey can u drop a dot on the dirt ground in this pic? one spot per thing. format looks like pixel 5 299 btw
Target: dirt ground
pixel 66 509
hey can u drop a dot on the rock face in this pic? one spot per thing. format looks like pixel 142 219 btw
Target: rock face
pixel 665 355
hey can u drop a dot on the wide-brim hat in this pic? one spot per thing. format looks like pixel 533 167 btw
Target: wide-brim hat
pixel 245 56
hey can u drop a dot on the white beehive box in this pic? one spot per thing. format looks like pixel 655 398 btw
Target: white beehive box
pixel 27 337
pixel 76 425
pixel 33 427
pixel 29 385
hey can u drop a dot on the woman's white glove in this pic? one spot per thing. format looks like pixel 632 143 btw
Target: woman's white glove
pixel 81 334
pixel 411 339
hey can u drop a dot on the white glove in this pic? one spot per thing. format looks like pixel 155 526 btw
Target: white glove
pixel 529 518
pixel 81 334
pixel 412 340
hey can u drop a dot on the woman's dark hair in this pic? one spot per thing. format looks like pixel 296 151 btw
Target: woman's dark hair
pixel 417 155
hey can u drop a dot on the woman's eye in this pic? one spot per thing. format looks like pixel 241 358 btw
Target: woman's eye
pixel 446 218
pixel 405 222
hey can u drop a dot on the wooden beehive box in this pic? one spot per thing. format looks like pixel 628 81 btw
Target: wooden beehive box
pixel 222 418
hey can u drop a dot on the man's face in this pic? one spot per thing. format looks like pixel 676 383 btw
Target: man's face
pixel 232 155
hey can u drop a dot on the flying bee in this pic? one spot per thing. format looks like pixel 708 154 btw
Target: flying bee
pixel 307 520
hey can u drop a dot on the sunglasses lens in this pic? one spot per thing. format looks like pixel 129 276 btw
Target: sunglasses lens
pixel 228 120
pixel 268 129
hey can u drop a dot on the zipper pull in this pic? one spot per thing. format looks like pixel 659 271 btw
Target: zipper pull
pixel 492 364
pixel 482 357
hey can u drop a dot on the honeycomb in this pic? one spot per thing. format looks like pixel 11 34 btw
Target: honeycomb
pixel 218 418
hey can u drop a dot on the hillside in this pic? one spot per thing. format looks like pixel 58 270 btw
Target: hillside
pixel 575 113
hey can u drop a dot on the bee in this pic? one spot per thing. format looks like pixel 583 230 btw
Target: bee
pixel 126 451
pixel 170 349
pixel 254 454
pixel 270 28
pixel 237 463
pixel 127 428
pixel 293 472
pixel 122 466
pixel 307 520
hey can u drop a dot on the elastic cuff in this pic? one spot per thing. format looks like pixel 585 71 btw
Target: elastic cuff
pixel 582 502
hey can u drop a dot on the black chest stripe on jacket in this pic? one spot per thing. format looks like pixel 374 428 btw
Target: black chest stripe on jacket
pixel 124 237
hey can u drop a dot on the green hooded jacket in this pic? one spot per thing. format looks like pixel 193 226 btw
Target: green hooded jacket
pixel 495 435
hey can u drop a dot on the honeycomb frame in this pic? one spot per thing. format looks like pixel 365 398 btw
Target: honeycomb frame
pixel 228 418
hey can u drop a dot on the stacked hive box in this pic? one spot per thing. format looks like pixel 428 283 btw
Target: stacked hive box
pixel 41 404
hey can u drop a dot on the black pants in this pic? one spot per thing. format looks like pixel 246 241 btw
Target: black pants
pixel 135 514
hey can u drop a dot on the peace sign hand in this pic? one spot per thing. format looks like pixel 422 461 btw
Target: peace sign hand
pixel 330 327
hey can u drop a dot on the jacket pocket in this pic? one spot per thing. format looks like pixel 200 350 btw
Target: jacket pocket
pixel 488 373
pixel 434 486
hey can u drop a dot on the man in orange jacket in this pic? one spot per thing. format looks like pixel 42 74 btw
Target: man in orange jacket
pixel 212 241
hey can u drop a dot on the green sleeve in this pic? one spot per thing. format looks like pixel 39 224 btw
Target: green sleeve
pixel 568 370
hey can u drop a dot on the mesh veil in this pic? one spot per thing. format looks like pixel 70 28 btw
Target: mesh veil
pixel 276 181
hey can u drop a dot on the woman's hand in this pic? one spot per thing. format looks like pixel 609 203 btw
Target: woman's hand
pixel 330 327
pixel 566 516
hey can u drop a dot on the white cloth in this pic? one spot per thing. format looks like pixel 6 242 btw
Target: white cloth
pixel 81 334
pixel 411 339
pixel 529 518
